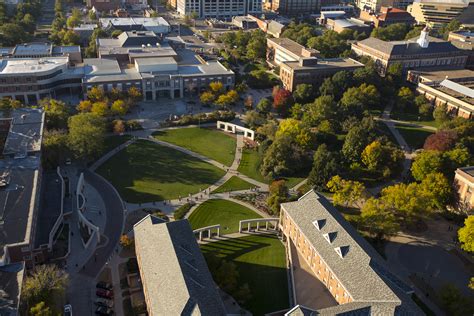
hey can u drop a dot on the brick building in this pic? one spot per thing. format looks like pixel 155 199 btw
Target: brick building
pixel 464 181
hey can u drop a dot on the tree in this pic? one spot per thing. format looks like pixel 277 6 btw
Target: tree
pixel 282 101
pixel 268 129
pixel 226 276
pixel 393 32
pixel 54 147
pixel 323 108
pixel 91 50
pixel 100 108
pixel 264 105
pixel 277 195
pixel 426 162
pixel 405 98
pixel 43 283
pixel 454 302
pixel 346 192
pixel 84 106
pixel 466 234
pixel 441 141
pixel 437 186
pixel 325 166
pixel 216 87
pixel 453 25
pixel 12 34
pixel 96 94
pixel 92 15
pixel 75 18
pixel 57 113
pixel 408 201
pixel 440 113
pixel 303 93
pixel 358 99
pixel 119 107
pixel 86 135
pixel 383 157
pixel 119 127
pixel 337 84
pixel 257 46
pixel 207 98
pixel 296 131
pixel 125 241
pixel 283 157
pixel 134 94
pixel 377 218
pixel 253 119
pixel 227 99
pixel 395 73
pixel 40 309
pixel 356 140
pixel 330 44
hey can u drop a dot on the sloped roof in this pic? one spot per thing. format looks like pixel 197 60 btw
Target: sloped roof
pixel 177 278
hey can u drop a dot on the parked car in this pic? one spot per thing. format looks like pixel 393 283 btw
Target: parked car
pixel 68 310
pixel 104 293
pixel 104 285
pixel 104 301
pixel 103 310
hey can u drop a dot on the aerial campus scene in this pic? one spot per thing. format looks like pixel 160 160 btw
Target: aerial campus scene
pixel 236 157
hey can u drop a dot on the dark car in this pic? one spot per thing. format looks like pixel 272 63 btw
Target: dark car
pixel 104 293
pixel 104 285
pixel 103 310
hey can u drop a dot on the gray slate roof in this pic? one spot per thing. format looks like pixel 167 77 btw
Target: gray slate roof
pixel 361 270
pixel 173 269
pixel 411 47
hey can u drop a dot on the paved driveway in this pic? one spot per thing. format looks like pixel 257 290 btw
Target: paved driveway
pixel 113 226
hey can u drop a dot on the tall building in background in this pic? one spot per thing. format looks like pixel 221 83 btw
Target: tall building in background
pixel 435 13
pixel 300 7
pixel 217 8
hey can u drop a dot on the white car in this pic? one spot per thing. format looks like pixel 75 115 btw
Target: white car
pixel 68 310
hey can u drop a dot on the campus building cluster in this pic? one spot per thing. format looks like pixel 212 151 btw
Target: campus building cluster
pixel 299 64
pixel 157 66
pixel 217 8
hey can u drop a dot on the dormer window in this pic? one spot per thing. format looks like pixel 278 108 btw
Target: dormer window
pixel 319 224
pixel 342 251
pixel 330 236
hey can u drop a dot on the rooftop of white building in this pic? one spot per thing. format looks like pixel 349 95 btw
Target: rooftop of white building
pixel 26 66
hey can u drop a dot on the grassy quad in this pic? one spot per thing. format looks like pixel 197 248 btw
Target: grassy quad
pixel 207 142
pixel 226 213
pixel 414 136
pixel 146 172
pixel 260 261
pixel 250 165
pixel 234 184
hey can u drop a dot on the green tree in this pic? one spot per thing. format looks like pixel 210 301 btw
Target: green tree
pixel 57 113
pixel 296 131
pixel 426 162
pixel 346 192
pixel 355 142
pixel 86 135
pixel 337 84
pixel 91 50
pixel 119 107
pixel 44 282
pixel 323 108
pixel 454 302
pixel 277 195
pixel 405 98
pixel 325 166
pixel 40 309
pixel 383 157
pixel 303 93
pixel 283 157
pixel 75 19
pixel 268 129
pixel 12 34
pixel 393 32
pixel 440 113
pixel 452 26
pixel 54 148
pixel 466 234
pixel 100 108
pixel 437 186
pixel 330 44
pixel 407 201
pixel 264 105
pixel 358 99
pixel 253 119
pixel 96 94
pixel 377 218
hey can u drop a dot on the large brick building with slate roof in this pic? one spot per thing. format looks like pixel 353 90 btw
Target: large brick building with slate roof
pixel 424 51
pixel 352 271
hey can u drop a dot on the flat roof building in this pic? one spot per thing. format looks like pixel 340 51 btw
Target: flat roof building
pixel 386 17
pixel 217 8
pixel 464 40
pixel 174 273
pixel 423 51
pixel 353 272
pixel 464 182
pixel 435 13
pixel 20 182
pixel 157 25
pixel 453 88
pixel 302 65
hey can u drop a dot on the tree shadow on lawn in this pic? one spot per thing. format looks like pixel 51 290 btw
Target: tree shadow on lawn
pixel 145 161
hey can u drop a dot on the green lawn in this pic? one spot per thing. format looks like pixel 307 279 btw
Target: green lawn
pixel 260 261
pixel 207 142
pixel 234 184
pixel 414 136
pixel 146 172
pixel 413 118
pixel 226 213
pixel 250 165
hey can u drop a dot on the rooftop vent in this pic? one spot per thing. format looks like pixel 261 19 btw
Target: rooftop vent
pixel 149 45
pixel 342 251
pixel 319 223
pixel 143 45
pixel 330 236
